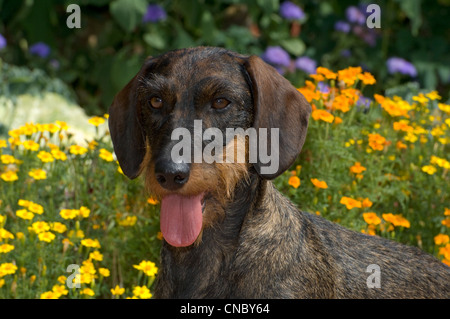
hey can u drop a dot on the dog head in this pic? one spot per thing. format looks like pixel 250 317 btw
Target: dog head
pixel 162 120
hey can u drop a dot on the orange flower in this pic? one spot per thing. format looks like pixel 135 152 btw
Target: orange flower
pixel 367 78
pixel 319 184
pixel 402 125
pixel 341 103
pixel 317 77
pixel 377 142
pixel 366 203
pixel 396 220
pixel 400 145
pixel 357 168
pixel 294 181
pixel 441 239
pixel 371 218
pixel 326 73
pixel 447 211
pixel 350 202
pixel 446 222
pixel 322 115
pixel 349 75
pixel 379 98
pixel 309 94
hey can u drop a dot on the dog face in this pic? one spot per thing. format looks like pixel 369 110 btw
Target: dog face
pixel 225 91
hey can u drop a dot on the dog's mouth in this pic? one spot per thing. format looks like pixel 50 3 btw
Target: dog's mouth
pixel 182 218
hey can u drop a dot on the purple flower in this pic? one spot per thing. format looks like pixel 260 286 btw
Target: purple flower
pixel 354 15
pixel 40 49
pixel 291 11
pixel 346 53
pixel 276 56
pixel 306 64
pixel 364 101
pixel 399 65
pixel 342 26
pixel 323 87
pixel 154 13
pixel 2 42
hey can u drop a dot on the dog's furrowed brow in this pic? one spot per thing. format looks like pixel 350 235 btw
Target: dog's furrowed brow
pixel 214 85
pixel 154 83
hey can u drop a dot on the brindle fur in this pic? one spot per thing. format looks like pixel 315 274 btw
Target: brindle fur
pixel 254 243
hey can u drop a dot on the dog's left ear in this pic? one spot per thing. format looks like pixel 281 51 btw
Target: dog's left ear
pixel 126 132
pixel 278 105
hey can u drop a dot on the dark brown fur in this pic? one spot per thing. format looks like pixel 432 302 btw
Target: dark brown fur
pixel 254 242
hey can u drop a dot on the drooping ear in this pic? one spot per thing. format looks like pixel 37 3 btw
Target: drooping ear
pixel 277 104
pixel 126 132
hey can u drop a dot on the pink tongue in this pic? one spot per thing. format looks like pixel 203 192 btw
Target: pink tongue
pixel 181 219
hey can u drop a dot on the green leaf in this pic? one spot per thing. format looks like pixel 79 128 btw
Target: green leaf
pixel 128 13
pixel 294 46
pixel 412 9
pixel 154 40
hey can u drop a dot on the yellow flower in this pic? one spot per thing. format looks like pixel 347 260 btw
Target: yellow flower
pixel 433 95
pixel 87 291
pixel 62 279
pixel 40 227
pixel 441 239
pixel 420 98
pixel 84 212
pixel 149 268
pixel 77 150
pixel 104 272
pixel 49 295
pixel 38 174
pixel 371 218
pixel 7 269
pixel 5 248
pixel 24 214
pixel 350 202
pixel 46 236
pixel 2 282
pixel 357 168
pixel 45 157
pixel 7 159
pixel 3 144
pixel 96 120
pixel 142 292
pixel 441 162
pixel 60 290
pixel 319 184
pixel 30 145
pixel 35 208
pixel 322 115
pixel 429 169
pixel 9 176
pixel 106 155
pixel 59 155
pixel 444 107
pixel 128 221
pixel 4 234
pixel 58 227
pixel 117 291
pixel 96 255
pixel 294 181
pixel 93 243
pixel 69 213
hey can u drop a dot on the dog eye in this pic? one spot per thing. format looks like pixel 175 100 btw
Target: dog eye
pixel 220 103
pixel 156 102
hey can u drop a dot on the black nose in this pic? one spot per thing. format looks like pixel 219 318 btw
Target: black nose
pixel 170 175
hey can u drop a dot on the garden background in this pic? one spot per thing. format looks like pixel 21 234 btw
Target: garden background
pixel 376 158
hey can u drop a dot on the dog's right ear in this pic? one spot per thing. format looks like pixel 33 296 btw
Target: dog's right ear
pixel 126 133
